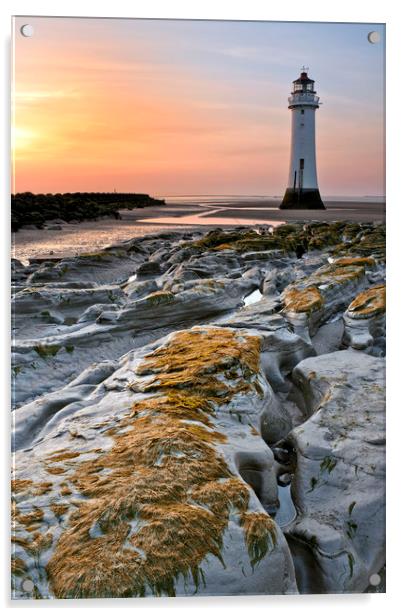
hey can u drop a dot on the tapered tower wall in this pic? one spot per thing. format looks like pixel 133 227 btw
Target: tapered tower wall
pixel 302 190
pixel 303 148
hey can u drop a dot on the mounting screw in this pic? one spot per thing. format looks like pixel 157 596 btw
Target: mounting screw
pixel 27 30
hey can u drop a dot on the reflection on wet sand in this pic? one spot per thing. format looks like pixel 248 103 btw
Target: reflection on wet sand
pixel 179 214
pixel 199 219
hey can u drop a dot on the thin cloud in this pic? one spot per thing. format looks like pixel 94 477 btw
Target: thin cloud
pixel 42 95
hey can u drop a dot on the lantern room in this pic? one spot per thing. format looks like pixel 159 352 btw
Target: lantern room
pixel 303 84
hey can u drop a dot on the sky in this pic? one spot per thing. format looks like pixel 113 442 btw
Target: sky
pixel 192 107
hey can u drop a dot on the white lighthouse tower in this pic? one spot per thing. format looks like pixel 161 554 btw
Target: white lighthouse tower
pixel 302 189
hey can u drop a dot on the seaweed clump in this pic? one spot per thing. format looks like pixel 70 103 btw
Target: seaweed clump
pixel 287 237
pixel 335 274
pixel 164 503
pixel 308 295
pixel 368 242
pixel 369 303
pixel 240 241
pixel 158 298
pixel 260 534
pixel 307 300
pixel 197 358
pixel 47 350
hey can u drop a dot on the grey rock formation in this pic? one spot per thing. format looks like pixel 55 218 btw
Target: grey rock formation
pixel 148 268
pixel 185 419
pixel 312 300
pixel 365 321
pixel 338 537
pixel 211 455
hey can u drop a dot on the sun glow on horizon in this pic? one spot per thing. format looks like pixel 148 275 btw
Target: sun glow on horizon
pixel 22 140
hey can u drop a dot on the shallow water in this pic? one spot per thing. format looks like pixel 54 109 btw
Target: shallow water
pixel 286 512
pixel 253 298
pixel 76 239
pixel 183 213
pixel 201 219
pixel 91 236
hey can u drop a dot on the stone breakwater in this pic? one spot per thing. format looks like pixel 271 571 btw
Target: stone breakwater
pixel 169 391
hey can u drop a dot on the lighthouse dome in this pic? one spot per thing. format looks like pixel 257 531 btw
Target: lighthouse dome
pixel 303 83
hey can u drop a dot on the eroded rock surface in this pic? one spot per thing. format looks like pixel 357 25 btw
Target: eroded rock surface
pixel 144 477
pixel 338 537
pixel 186 419
pixel 312 300
pixel 365 321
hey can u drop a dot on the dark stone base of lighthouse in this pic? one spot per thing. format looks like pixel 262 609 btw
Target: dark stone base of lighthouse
pixel 305 199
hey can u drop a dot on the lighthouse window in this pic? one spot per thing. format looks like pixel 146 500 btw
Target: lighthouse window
pixel 302 112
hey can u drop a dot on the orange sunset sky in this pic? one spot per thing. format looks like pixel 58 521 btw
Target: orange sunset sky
pixel 184 107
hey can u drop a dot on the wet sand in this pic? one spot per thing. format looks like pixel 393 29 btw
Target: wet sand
pixel 202 212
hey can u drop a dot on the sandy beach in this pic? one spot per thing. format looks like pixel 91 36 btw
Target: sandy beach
pixel 180 214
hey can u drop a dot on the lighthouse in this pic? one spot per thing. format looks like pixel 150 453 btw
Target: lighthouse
pixel 302 189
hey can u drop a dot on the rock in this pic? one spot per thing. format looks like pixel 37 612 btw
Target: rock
pixel 105 330
pixel 166 457
pixel 269 283
pixel 140 288
pixel 285 479
pixel 187 301
pixel 338 537
pixel 328 338
pixel 365 320
pixel 259 315
pixel 363 241
pixel 312 300
pixel 19 272
pixel 281 455
pixel 183 254
pixel 36 307
pixel 103 267
pixel 242 240
pixel 254 274
pixel 56 221
pixel 262 257
pixel 282 349
pixel 53 228
pixel 149 268
pixel 29 228
pixel 163 254
pixel 159 473
pixel 202 266
pixel 279 276
pixel 303 307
